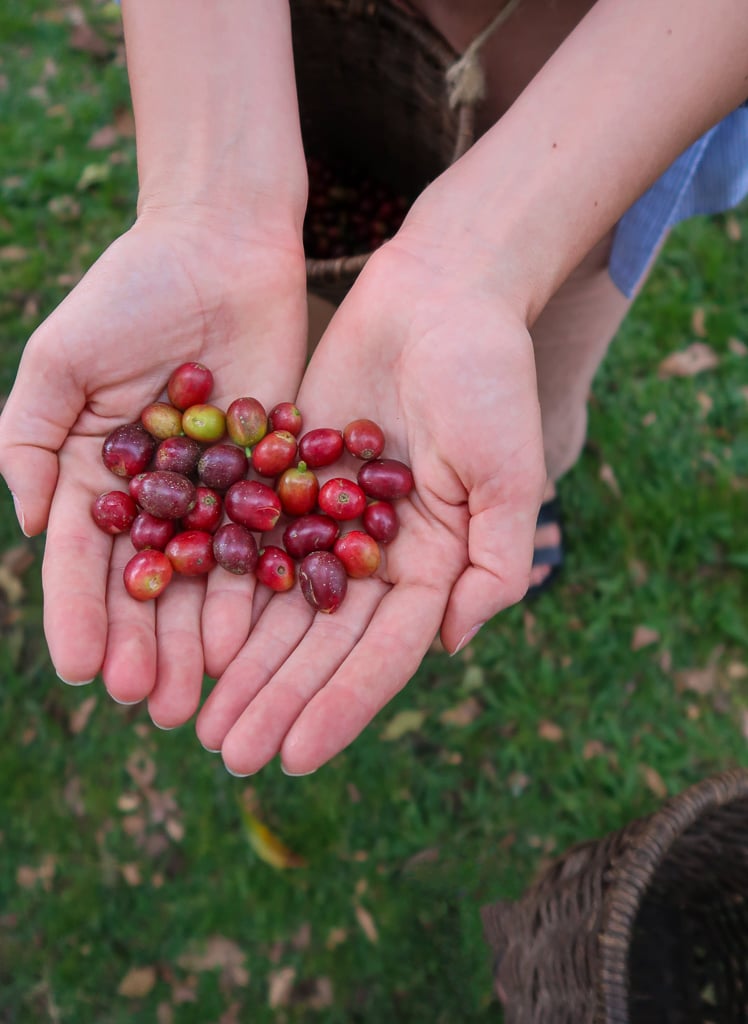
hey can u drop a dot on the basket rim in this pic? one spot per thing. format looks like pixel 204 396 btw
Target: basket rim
pixel 329 270
pixel 635 872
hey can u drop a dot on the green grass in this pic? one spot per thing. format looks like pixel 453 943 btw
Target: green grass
pixel 419 831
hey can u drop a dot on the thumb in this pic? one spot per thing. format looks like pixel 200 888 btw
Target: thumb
pixel 35 421
pixel 500 546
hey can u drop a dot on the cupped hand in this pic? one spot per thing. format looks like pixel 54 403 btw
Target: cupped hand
pixel 168 291
pixel 445 366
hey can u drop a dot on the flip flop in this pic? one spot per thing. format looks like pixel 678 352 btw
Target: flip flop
pixel 553 555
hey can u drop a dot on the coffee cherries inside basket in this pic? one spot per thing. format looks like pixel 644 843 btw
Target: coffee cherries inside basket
pixel 202 483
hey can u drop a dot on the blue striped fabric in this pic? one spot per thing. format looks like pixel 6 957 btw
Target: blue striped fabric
pixel 709 177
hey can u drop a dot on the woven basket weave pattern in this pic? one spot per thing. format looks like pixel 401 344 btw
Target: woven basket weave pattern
pixel 646 926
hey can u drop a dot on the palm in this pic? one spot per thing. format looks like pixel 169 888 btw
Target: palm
pixel 453 387
pixel 156 298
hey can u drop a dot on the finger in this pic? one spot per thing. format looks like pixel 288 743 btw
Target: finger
pixel 179 653
pixel 74 575
pixel 32 429
pixel 130 662
pixel 500 546
pixel 275 634
pixel 226 618
pixel 381 663
pixel 259 732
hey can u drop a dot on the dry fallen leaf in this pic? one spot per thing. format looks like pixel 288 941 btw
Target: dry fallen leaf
pixel 699 680
pixel 267 845
pixel 688 362
pixel 104 138
pixel 403 722
pixel 608 477
pixel 593 748
pixel 463 713
pixel 737 347
pixel 733 229
pixel 79 718
pixel 366 922
pixel 744 723
pixel 336 937
pixel 653 781
pixel 280 985
pixel 550 731
pixel 698 322
pixel 644 636
pixel 217 953
pixel 27 877
pixel 705 403
pixel 138 982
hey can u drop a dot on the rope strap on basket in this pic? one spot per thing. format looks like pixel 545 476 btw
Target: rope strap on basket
pixel 466 82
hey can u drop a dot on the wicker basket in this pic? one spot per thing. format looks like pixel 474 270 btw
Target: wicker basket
pixel 646 926
pixel 373 99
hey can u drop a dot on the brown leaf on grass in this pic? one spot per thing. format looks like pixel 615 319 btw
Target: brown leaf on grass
pixel 593 748
pixel 366 923
pixel 85 40
pixel 737 347
pixel 653 781
pixel 528 623
pixel 217 953
pixel 644 636
pixel 698 680
pixel 689 362
pixel 28 877
pixel 73 796
pixel 736 671
pixel 18 559
pixel 124 122
pixel 79 718
pixel 608 477
pixel 733 229
pixel 104 137
pixel 698 322
pixel 302 939
pixel 141 768
pixel 428 856
pixel 128 802
pixel 280 986
pixel 649 419
pixel 463 713
pixel 231 1014
pixel 705 403
pixel 403 722
pixel 138 982
pixel 518 783
pixel 743 722
pixel 336 937
pixel 13 254
pixel 131 874
pixel 550 731
pixel 164 1013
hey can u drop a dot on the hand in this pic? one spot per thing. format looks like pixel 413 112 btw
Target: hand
pixel 446 368
pixel 168 291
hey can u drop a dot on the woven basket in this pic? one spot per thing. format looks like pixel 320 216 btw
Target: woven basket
pixel 373 99
pixel 646 926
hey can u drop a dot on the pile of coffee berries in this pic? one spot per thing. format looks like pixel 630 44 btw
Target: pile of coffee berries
pixel 346 219
pixel 203 482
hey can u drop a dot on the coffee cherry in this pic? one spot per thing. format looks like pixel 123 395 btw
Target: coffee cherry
pixel 364 439
pixel 297 489
pixel 149 532
pixel 207 513
pixel 252 504
pixel 313 532
pixel 246 422
pixel 235 549
pixel 166 495
pixel 274 453
pixel 359 553
pixel 178 455
pixel 222 465
pixel 190 384
pixel 114 512
pixel 321 447
pixel 128 449
pixel 342 499
pixel 147 574
pixel 285 416
pixel 161 420
pixel 191 553
pixel 323 581
pixel 275 569
pixel 385 478
pixel 206 423
pixel 381 522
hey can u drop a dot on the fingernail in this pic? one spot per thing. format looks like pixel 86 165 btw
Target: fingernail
pixel 238 775
pixel 124 703
pixel 19 517
pixel 210 750
pixel 296 775
pixel 74 682
pixel 467 638
pixel 163 728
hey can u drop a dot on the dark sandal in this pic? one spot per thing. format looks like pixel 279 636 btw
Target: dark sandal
pixel 553 556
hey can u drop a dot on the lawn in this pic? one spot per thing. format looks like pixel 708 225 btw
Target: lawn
pixel 131 884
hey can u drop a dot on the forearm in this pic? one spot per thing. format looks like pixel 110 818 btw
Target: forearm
pixel 632 86
pixel 215 106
